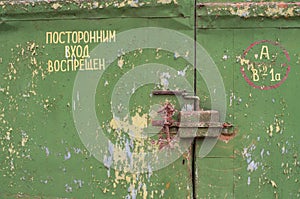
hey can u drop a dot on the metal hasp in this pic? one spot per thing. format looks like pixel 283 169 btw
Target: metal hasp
pixel 190 124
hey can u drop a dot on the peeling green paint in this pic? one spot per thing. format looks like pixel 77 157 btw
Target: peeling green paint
pixel 10 10
pixel 247 10
pixel 41 153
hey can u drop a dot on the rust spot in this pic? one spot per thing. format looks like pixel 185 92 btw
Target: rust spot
pixel 167 113
pixel 227 137
pixel 282 5
pixel 168 185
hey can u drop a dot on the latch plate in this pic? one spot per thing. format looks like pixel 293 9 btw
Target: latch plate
pixel 191 124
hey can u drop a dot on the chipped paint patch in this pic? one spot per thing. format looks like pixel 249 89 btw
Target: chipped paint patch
pixel 129 153
pixel 167 1
pixel 164 80
pixel 24 69
pixel 135 127
pixel 183 72
pixel 76 4
pixel 24 138
pixel 55 6
pixel 276 127
pixel 140 121
pixel 121 62
pixel 247 10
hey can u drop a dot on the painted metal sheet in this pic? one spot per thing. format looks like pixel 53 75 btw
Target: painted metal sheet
pixel 79 116
pixel 76 104
pixel 255 46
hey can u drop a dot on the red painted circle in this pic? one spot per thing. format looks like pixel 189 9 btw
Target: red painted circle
pixel 248 80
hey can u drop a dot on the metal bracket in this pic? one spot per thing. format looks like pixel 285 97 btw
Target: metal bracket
pixel 190 124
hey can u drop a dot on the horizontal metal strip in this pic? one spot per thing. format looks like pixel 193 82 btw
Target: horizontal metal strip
pixel 239 4
pixel 250 9
pixel 245 28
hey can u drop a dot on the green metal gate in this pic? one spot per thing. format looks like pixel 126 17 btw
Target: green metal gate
pixel 82 115
pixel 255 48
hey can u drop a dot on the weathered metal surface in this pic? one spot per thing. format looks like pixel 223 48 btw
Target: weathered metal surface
pixel 255 46
pixel 77 8
pixel 76 104
pixel 43 154
pixel 229 15
pixel 191 123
